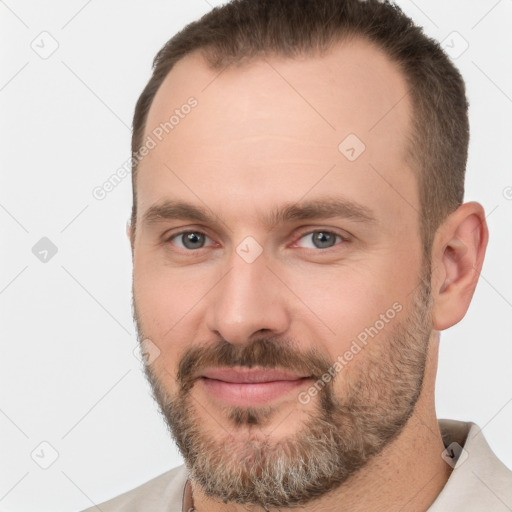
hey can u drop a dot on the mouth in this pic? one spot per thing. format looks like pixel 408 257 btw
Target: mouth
pixel 249 386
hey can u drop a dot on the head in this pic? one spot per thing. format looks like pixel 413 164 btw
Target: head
pixel 303 214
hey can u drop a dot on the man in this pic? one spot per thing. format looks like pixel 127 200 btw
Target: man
pixel 299 240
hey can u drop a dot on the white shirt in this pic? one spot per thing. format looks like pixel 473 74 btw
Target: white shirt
pixel 479 482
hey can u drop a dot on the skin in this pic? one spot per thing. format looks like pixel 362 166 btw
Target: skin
pixel 267 134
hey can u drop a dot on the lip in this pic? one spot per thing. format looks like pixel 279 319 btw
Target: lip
pixel 249 386
pixel 250 375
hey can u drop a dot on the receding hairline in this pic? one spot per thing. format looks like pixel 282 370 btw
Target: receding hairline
pixel 205 57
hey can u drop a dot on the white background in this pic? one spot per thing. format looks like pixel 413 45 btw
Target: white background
pixel 68 375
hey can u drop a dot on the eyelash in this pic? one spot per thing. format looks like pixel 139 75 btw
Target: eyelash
pixel 342 238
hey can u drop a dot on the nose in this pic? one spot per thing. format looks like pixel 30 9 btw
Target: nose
pixel 248 301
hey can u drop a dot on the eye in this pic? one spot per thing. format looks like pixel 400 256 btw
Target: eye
pixel 189 240
pixel 321 239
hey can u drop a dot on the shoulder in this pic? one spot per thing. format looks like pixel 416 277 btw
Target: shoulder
pixel 162 493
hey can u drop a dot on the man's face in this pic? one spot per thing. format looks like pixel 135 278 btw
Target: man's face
pixel 266 281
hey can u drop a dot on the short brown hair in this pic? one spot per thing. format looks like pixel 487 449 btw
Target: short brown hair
pixel 245 29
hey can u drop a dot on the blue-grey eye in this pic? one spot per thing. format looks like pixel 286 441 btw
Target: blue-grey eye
pixel 321 239
pixel 192 239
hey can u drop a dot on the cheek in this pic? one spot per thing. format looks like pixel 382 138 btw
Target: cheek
pixel 162 307
pixel 352 303
pixel 171 303
pixel 163 294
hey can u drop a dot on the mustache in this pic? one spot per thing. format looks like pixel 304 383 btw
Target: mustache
pixel 263 353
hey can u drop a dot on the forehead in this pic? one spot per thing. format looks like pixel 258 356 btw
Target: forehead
pixel 277 128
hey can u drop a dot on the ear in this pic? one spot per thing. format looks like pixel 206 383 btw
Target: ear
pixel 458 254
pixel 129 234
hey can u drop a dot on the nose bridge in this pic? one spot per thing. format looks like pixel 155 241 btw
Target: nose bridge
pixel 247 299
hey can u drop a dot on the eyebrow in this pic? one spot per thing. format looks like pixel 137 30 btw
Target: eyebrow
pixel 305 210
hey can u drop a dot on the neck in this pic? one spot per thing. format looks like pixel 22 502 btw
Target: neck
pixel 408 474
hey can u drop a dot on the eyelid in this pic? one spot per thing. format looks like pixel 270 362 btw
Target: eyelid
pixel 179 230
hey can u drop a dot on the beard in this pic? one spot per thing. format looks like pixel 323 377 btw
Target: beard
pixel 343 429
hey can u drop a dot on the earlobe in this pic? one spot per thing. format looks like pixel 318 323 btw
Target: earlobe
pixel 458 255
